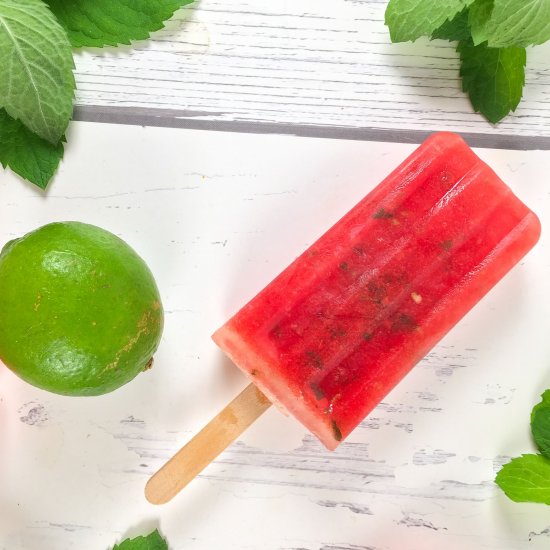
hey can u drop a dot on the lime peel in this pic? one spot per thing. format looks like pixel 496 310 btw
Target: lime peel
pixel 81 312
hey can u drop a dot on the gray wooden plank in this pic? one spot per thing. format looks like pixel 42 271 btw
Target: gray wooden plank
pixel 170 118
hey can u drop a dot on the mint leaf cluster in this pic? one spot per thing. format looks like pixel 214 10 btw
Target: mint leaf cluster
pixel 153 541
pixel 527 478
pixel 37 84
pixel 112 22
pixel 492 38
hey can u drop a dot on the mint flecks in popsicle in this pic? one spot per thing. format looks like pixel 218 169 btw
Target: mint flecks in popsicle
pixel 389 279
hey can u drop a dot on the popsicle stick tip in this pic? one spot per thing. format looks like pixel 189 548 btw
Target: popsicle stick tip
pixel 154 495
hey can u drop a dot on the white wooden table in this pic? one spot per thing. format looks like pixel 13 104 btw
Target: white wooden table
pixel 218 196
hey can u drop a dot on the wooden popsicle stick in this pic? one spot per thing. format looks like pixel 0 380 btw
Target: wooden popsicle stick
pixel 218 434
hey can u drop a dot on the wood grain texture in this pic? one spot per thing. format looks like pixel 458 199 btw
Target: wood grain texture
pixel 217 216
pixel 205 446
pixel 305 62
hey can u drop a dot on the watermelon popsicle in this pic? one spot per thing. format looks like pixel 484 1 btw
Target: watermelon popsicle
pixel 329 337
pixel 344 323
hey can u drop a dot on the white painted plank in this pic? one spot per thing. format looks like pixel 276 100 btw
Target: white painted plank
pixel 217 215
pixel 304 62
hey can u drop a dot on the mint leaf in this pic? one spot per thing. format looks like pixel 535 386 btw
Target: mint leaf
pixel 479 15
pixel 28 155
pixel 111 22
pixel 411 19
pixel 526 479
pixel 518 23
pixel 455 29
pixel 540 424
pixel 152 541
pixel 36 68
pixel 492 77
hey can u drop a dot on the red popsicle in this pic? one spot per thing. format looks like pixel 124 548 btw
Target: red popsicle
pixel 345 322
pixel 342 325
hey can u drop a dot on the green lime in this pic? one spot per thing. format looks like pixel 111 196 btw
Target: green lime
pixel 80 313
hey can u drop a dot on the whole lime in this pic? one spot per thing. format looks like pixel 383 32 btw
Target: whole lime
pixel 80 313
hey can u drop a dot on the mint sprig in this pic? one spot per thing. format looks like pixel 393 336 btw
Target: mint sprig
pixel 479 15
pixel 37 84
pixel 492 36
pixel 27 154
pixel 455 29
pixel 540 424
pixel 411 19
pixel 518 23
pixel 36 68
pixel 153 541
pixel 112 22
pixel 492 77
pixel 527 478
